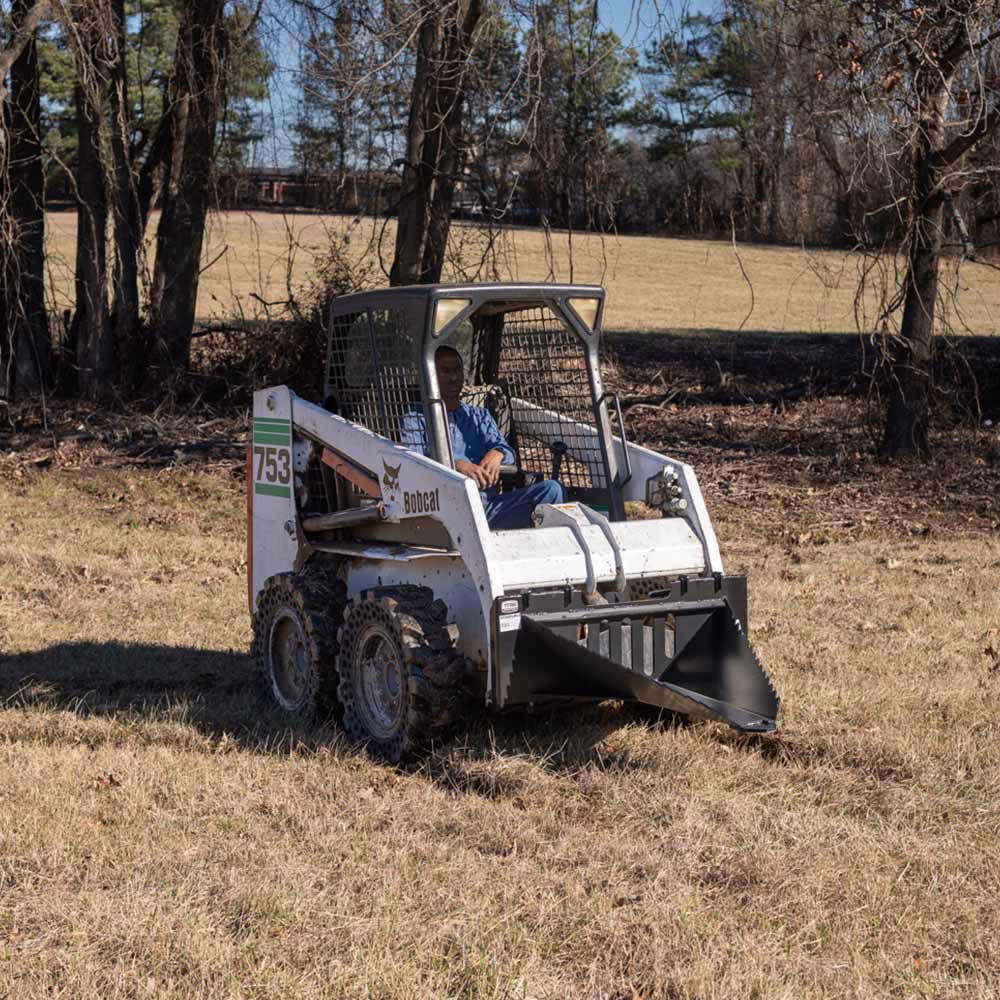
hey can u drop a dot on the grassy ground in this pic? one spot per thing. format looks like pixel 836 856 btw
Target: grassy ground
pixel 652 283
pixel 161 837
pixel 158 837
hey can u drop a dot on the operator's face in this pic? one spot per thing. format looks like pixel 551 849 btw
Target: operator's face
pixel 450 377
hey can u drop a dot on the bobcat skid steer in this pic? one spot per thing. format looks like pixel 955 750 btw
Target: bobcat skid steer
pixel 381 596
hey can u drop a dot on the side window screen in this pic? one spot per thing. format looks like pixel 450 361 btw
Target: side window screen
pixel 372 375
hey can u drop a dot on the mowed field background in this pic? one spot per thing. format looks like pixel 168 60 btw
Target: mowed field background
pixel 162 836
pixel 652 284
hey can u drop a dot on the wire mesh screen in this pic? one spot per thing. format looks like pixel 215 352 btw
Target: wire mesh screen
pixel 372 377
pixel 543 365
pixel 315 500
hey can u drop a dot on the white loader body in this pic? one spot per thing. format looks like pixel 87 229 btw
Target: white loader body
pixel 481 565
pixel 373 568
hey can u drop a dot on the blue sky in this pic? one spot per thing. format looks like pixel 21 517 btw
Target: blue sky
pixel 634 21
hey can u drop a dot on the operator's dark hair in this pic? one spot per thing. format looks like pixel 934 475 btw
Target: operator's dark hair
pixel 450 350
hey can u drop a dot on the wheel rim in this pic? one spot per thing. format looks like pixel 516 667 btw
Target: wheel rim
pixel 378 681
pixel 288 659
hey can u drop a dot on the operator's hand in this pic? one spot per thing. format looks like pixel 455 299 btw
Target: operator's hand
pixel 475 472
pixel 491 463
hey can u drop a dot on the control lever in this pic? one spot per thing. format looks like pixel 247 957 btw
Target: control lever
pixel 558 449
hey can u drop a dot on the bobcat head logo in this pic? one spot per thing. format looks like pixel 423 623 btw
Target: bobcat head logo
pixel 391 477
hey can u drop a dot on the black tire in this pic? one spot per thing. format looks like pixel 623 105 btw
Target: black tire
pixel 295 643
pixel 400 674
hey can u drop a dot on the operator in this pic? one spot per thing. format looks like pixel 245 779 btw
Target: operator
pixel 480 449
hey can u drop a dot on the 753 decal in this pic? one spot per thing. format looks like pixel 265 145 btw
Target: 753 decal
pixel 274 465
pixel 272 456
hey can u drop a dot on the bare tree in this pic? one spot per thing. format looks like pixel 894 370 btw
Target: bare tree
pixel 128 232
pixel 435 144
pixel 91 337
pixel 201 50
pixel 24 346
pixel 922 83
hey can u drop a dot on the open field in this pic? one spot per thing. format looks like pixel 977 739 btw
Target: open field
pixel 159 838
pixel 652 283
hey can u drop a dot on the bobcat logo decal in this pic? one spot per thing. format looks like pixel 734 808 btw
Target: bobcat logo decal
pixel 391 477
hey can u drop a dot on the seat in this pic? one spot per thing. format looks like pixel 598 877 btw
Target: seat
pixel 495 399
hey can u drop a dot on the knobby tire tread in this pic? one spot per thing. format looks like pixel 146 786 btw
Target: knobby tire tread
pixel 318 598
pixel 435 669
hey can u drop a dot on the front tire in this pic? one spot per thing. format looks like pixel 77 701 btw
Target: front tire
pixel 400 676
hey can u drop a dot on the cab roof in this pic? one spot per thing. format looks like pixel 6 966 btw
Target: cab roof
pixel 481 293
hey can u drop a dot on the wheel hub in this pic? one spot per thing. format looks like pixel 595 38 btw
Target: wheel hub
pixel 378 681
pixel 288 659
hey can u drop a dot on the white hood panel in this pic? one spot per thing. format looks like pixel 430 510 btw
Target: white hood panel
pixel 552 557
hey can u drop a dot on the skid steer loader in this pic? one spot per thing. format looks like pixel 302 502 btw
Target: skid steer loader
pixel 381 596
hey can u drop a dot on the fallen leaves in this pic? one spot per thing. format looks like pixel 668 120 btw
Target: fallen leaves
pixel 105 782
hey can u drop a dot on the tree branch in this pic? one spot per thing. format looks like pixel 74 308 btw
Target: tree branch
pixel 963 143
pixel 22 35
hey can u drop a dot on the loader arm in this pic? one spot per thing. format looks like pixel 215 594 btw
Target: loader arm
pixel 411 488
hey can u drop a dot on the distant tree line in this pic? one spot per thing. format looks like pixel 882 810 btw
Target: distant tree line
pixel 756 119
pixel 865 124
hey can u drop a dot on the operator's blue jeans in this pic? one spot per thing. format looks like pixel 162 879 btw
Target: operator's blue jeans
pixel 513 510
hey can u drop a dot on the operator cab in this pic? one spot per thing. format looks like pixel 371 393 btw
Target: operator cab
pixel 530 358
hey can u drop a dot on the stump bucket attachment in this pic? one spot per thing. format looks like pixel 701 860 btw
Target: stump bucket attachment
pixel 687 656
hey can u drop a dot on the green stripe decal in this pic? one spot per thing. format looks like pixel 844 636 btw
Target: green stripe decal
pixel 261 438
pixel 271 422
pixel 270 490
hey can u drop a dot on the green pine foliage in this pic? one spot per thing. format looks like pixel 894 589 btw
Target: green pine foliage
pixel 699 80
pixel 152 28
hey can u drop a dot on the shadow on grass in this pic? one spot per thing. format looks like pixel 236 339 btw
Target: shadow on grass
pixel 757 357
pixel 210 689
pixel 832 360
pixel 215 692
pixel 498 757
pixel 737 397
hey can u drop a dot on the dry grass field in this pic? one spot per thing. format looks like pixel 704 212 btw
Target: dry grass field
pixel 161 837
pixel 158 839
pixel 652 283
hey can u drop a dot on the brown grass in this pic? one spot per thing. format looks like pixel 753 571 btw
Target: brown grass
pixel 158 837
pixel 652 283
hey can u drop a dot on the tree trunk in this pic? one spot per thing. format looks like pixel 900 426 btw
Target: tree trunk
pixel 760 211
pixel 908 413
pixel 200 56
pixel 434 142
pixel 422 140
pixel 908 416
pixel 28 346
pixel 439 218
pixel 125 307
pixel 94 341
pixel 159 153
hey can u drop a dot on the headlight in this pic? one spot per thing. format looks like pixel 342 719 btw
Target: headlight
pixel 664 491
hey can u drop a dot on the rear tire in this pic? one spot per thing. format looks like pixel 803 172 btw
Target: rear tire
pixel 295 643
pixel 400 676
